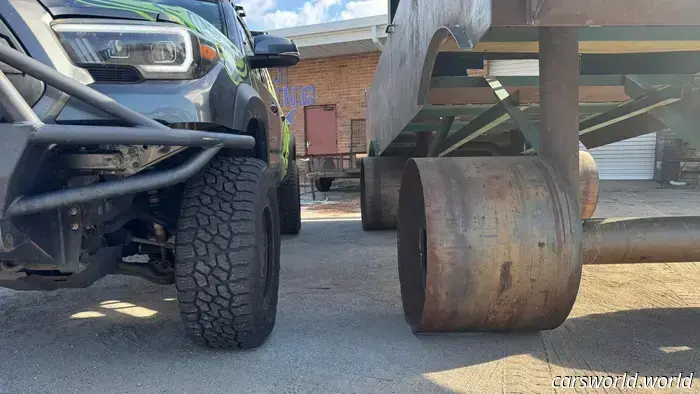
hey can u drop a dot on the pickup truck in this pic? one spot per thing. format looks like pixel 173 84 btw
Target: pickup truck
pixel 145 138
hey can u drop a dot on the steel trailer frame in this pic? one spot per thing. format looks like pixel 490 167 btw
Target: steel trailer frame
pixel 497 243
pixel 628 52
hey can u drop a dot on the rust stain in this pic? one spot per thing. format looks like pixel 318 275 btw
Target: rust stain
pixel 506 279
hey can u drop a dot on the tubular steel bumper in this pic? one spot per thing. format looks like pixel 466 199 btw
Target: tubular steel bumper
pixel 25 132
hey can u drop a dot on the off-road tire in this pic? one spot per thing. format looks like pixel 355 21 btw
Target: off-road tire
pixel 227 254
pixel 323 184
pixel 290 202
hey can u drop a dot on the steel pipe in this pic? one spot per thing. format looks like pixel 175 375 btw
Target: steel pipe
pixel 130 185
pixel 641 240
pixel 103 135
pixel 16 107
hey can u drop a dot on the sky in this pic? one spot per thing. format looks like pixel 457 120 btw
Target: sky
pixel 276 14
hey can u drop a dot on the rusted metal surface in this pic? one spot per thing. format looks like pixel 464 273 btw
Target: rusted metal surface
pixel 559 71
pixel 380 179
pixel 421 28
pixel 589 184
pixel 613 12
pixel 487 244
pixel 641 240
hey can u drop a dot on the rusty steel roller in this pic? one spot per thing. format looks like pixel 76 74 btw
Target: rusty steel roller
pixel 380 179
pixel 487 244
pixel 589 184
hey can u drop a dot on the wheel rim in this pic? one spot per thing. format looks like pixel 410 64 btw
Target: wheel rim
pixel 268 253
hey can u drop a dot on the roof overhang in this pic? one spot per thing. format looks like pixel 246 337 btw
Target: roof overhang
pixel 339 38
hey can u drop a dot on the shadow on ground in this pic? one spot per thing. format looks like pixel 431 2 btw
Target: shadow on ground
pixel 340 328
pixel 137 330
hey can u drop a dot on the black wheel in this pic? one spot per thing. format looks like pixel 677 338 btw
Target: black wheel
pixel 323 184
pixel 290 202
pixel 227 255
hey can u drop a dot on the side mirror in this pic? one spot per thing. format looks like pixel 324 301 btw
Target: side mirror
pixel 273 51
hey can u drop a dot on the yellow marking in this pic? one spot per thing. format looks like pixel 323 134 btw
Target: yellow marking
pixel 87 315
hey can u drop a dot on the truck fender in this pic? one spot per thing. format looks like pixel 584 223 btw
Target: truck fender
pixel 249 108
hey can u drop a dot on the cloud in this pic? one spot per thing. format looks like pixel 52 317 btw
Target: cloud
pixel 361 8
pixel 262 14
pixel 255 8
pixel 311 12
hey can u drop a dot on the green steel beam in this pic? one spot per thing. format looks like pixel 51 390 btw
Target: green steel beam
pixel 603 33
pixel 529 130
pixel 650 101
pixel 440 135
pixel 419 127
pixel 476 110
pixel 629 128
pixel 534 81
pixel 488 120
pixel 677 117
pixel 637 86
pixel 436 111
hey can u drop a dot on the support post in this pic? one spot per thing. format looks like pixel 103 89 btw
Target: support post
pixel 440 135
pixel 559 74
pixel 422 144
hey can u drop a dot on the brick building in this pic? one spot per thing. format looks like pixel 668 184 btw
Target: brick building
pixel 325 95
pixel 338 81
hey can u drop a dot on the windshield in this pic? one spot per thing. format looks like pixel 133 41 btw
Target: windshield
pixel 208 10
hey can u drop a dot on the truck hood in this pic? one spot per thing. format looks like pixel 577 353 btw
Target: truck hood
pixel 122 9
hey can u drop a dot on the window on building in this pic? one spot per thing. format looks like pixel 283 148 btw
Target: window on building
pixel 358 136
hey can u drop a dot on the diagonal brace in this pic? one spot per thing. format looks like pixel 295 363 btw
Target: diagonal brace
pixel 529 130
pixel 651 100
pixel 488 120
pixel 440 135
pixel 675 117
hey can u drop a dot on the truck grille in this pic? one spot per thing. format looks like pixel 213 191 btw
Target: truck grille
pixel 118 74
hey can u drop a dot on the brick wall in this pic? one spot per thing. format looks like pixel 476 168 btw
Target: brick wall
pixel 340 80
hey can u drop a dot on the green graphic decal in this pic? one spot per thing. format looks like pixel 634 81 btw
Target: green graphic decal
pixel 231 56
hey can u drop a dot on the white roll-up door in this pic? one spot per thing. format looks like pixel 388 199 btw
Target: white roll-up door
pixel 626 160
pixel 502 68
pixel 631 159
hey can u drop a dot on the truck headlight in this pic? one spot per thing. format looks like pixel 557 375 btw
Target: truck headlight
pixel 157 52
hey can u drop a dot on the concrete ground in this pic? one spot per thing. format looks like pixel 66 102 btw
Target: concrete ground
pixel 340 325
